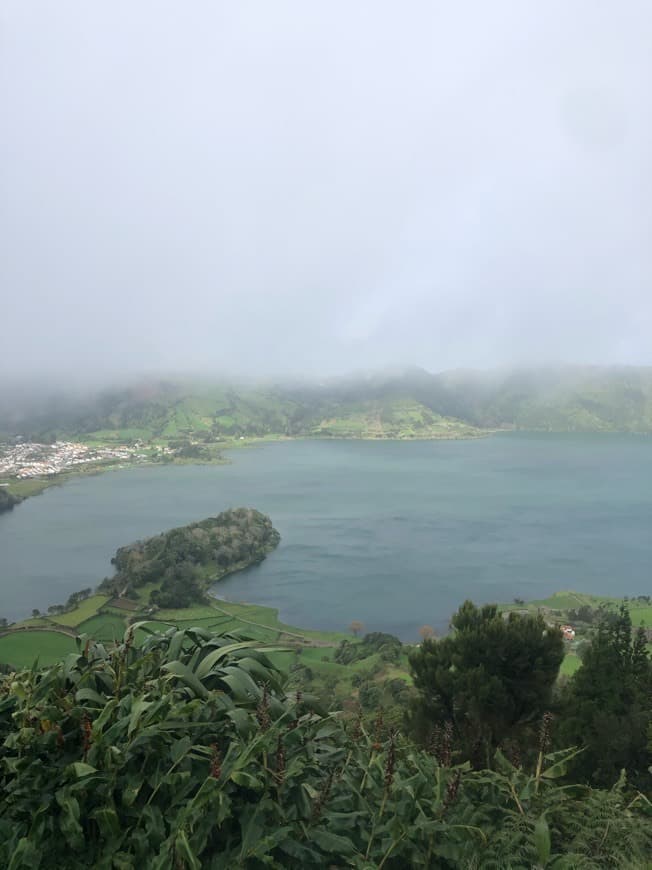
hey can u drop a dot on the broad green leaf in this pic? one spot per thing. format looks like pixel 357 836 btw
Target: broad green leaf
pixel 105 715
pixel 332 842
pixel 207 663
pixel 176 645
pixel 90 695
pixel 80 768
pixel 138 707
pixel 503 764
pixel 183 672
pixel 24 855
pixel 542 840
pixel 109 823
pixel 241 777
pixel 184 851
pixel 560 768
pixel 180 748
pixel 242 720
pixel 69 820
pixel 241 685
pixel 259 672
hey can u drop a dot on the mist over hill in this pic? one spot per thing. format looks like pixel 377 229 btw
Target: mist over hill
pixel 407 403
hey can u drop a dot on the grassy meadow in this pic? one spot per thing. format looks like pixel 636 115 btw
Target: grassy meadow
pixel 49 639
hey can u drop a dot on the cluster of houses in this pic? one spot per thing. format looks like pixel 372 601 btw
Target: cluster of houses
pixel 31 459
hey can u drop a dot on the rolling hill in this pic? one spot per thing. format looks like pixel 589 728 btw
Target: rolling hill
pixel 409 404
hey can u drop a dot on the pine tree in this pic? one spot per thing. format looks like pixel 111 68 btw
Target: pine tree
pixel 491 679
pixel 607 706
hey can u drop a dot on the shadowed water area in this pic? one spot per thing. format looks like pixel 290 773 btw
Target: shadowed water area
pixel 395 534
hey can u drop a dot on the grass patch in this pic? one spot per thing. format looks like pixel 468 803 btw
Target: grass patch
pixel 268 616
pixel 83 611
pixel 39 622
pixel 570 664
pixel 25 488
pixel 641 615
pixel 559 602
pixel 186 614
pixel 22 648
pixel 104 627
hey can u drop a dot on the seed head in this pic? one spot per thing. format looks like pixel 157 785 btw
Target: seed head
pixel 86 730
pixel 544 731
pixel 452 789
pixel 378 727
pixel 390 761
pixel 216 762
pixel 280 760
pixel 262 711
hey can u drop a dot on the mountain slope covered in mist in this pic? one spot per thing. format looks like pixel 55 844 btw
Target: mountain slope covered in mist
pixel 408 404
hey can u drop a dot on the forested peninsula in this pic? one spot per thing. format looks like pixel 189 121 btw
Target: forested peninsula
pixel 180 565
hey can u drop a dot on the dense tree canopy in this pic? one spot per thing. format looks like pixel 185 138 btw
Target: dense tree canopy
pixel 607 706
pixel 387 645
pixel 491 678
pixel 186 560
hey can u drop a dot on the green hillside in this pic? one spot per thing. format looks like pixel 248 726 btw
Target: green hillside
pixel 389 418
pixel 570 399
pixel 410 404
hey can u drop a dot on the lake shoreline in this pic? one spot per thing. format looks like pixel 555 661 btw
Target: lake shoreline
pixel 22 489
pixel 392 535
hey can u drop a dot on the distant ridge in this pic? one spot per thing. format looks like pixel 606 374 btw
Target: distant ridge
pixel 405 403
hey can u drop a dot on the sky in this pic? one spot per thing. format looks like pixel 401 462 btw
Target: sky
pixel 272 188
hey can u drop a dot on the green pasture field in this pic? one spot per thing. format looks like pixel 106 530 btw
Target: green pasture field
pixel 38 622
pixel 95 618
pixel 25 488
pixel 104 627
pixel 83 611
pixel 22 648
pixel 641 615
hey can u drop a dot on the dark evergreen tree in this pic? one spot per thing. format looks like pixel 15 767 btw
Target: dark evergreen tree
pixel 491 679
pixel 607 706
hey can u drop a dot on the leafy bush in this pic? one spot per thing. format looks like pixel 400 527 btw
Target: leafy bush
pixel 387 645
pixel 186 753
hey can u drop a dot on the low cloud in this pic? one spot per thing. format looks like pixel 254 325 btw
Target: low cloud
pixel 296 188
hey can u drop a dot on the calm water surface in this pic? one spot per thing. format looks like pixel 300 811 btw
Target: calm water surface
pixel 395 534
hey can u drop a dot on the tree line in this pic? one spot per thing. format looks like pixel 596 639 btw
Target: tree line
pixel 493 679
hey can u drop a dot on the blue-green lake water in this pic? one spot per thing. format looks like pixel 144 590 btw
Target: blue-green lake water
pixel 395 534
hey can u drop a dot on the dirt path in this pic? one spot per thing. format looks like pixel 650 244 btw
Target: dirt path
pixel 280 631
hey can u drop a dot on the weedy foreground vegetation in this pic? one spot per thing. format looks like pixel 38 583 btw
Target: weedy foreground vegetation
pixel 187 751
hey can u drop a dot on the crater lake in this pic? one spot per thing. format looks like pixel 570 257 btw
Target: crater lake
pixel 395 534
